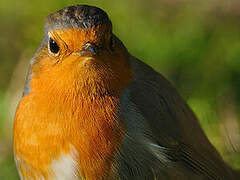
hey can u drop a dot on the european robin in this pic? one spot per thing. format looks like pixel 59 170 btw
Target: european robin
pixel 92 111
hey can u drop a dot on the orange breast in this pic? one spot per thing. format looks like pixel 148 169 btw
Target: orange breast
pixel 89 126
pixel 58 114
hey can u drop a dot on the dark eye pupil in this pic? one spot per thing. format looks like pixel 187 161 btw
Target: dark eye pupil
pixel 53 46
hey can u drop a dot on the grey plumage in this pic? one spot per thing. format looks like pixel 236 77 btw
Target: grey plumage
pixel 78 16
pixel 164 139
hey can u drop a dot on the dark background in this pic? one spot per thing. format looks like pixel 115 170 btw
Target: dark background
pixel 195 44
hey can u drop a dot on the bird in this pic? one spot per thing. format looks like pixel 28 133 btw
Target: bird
pixel 92 111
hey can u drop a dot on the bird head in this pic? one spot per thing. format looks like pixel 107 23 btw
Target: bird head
pixel 80 51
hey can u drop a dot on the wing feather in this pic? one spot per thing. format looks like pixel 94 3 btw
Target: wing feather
pixel 174 125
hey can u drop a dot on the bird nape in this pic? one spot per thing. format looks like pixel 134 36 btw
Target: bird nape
pixel 91 110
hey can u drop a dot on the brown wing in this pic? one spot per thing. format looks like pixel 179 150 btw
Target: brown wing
pixel 174 125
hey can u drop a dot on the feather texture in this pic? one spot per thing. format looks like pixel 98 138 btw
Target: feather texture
pixel 164 136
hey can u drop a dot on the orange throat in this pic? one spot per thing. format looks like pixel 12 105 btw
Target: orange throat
pixel 67 108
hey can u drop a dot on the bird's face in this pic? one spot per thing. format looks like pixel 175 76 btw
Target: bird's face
pixel 85 48
pixel 79 49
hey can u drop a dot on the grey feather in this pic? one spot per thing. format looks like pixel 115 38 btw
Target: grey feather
pixel 164 139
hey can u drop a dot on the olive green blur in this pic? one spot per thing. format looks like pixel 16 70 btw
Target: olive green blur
pixel 195 44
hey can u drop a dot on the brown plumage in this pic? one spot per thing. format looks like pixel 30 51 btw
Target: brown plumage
pixel 92 111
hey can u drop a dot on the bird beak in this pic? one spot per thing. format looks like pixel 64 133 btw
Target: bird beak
pixel 88 49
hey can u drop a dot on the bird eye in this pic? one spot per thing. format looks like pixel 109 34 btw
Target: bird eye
pixel 53 46
pixel 112 43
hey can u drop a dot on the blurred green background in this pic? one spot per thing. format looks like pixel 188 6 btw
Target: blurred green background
pixel 195 44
